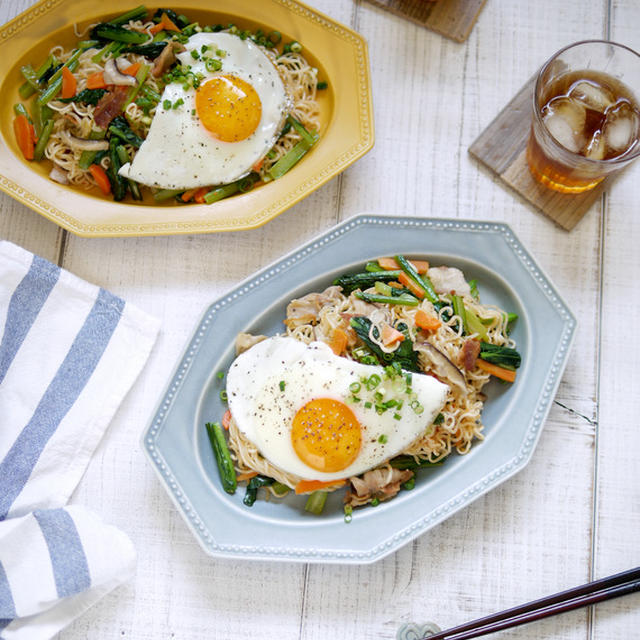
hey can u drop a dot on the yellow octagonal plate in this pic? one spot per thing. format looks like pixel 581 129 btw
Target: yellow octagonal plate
pixel 346 132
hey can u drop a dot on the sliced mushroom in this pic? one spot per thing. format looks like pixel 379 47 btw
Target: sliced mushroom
pixel 168 56
pixel 83 143
pixel 442 365
pixel 59 175
pixel 113 75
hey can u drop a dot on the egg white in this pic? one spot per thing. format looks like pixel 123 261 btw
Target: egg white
pixel 270 382
pixel 179 152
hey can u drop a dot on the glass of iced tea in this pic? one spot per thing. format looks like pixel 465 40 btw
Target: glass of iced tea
pixel 586 116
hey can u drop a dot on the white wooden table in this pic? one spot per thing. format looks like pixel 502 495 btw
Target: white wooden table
pixel 571 515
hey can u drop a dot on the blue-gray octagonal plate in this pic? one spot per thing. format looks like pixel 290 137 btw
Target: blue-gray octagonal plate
pixel 176 442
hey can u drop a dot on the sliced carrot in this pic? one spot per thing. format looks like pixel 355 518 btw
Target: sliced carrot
pixel 100 176
pixel 226 419
pixel 69 84
pixel 165 23
pixel 169 25
pixel 132 69
pixel 24 132
pixel 96 81
pixel 426 321
pixel 395 285
pixel 499 372
pixel 411 285
pixel 306 486
pixel 339 340
pixel 246 476
pixel 390 264
pixel 200 194
pixel 390 335
pixel 258 165
pixel 187 196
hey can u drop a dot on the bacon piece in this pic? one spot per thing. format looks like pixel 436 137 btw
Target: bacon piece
pixel 382 484
pixel 470 353
pixel 109 106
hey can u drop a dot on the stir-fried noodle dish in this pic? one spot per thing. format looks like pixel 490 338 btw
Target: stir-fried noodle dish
pixel 151 103
pixel 376 378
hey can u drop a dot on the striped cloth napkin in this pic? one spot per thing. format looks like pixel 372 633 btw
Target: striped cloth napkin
pixel 69 353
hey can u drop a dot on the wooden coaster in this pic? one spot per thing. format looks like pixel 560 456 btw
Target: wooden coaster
pixel 451 18
pixel 502 147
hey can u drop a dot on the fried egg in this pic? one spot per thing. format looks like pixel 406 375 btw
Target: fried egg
pixel 214 134
pixel 320 416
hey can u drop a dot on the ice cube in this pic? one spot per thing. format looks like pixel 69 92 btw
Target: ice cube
pixel 565 120
pixel 621 126
pixel 596 147
pixel 592 96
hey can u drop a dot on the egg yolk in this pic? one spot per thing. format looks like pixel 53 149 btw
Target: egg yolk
pixel 326 435
pixel 228 107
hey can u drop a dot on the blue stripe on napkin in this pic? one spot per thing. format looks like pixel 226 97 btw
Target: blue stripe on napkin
pixel 66 386
pixel 24 306
pixel 7 606
pixel 68 560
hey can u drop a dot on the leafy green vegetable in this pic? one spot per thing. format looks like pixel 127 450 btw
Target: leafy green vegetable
pixel 134 14
pixel 106 31
pixel 315 502
pixel 404 355
pixel 404 299
pixel 123 156
pixel 473 286
pixel 459 309
pixel 223 457
pixel 179 20
pixel 43 139
pixel 308 139
pixel 364 280
pixel 165 194
pixel 151 50
pixel 291 158
pixel 119 184
pixel 88 96
pixel 473 324
pixel 252 488
pixel 120 128
pixel 280 489
pixel 422 281
pixel 502 356
pixel 409 462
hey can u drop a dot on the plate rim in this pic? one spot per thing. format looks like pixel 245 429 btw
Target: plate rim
pixel 20 182
pixel 479 487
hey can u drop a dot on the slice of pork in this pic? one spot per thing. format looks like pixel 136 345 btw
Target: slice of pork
pixel 245 341
pixel 306 310
pixel 449 280
pixel 382 484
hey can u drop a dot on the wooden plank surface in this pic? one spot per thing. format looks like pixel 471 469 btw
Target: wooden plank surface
pixel 451 18
pixel 571 514
pixel 501 147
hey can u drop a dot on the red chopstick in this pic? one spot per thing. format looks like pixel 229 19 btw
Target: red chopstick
pixel 607 588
